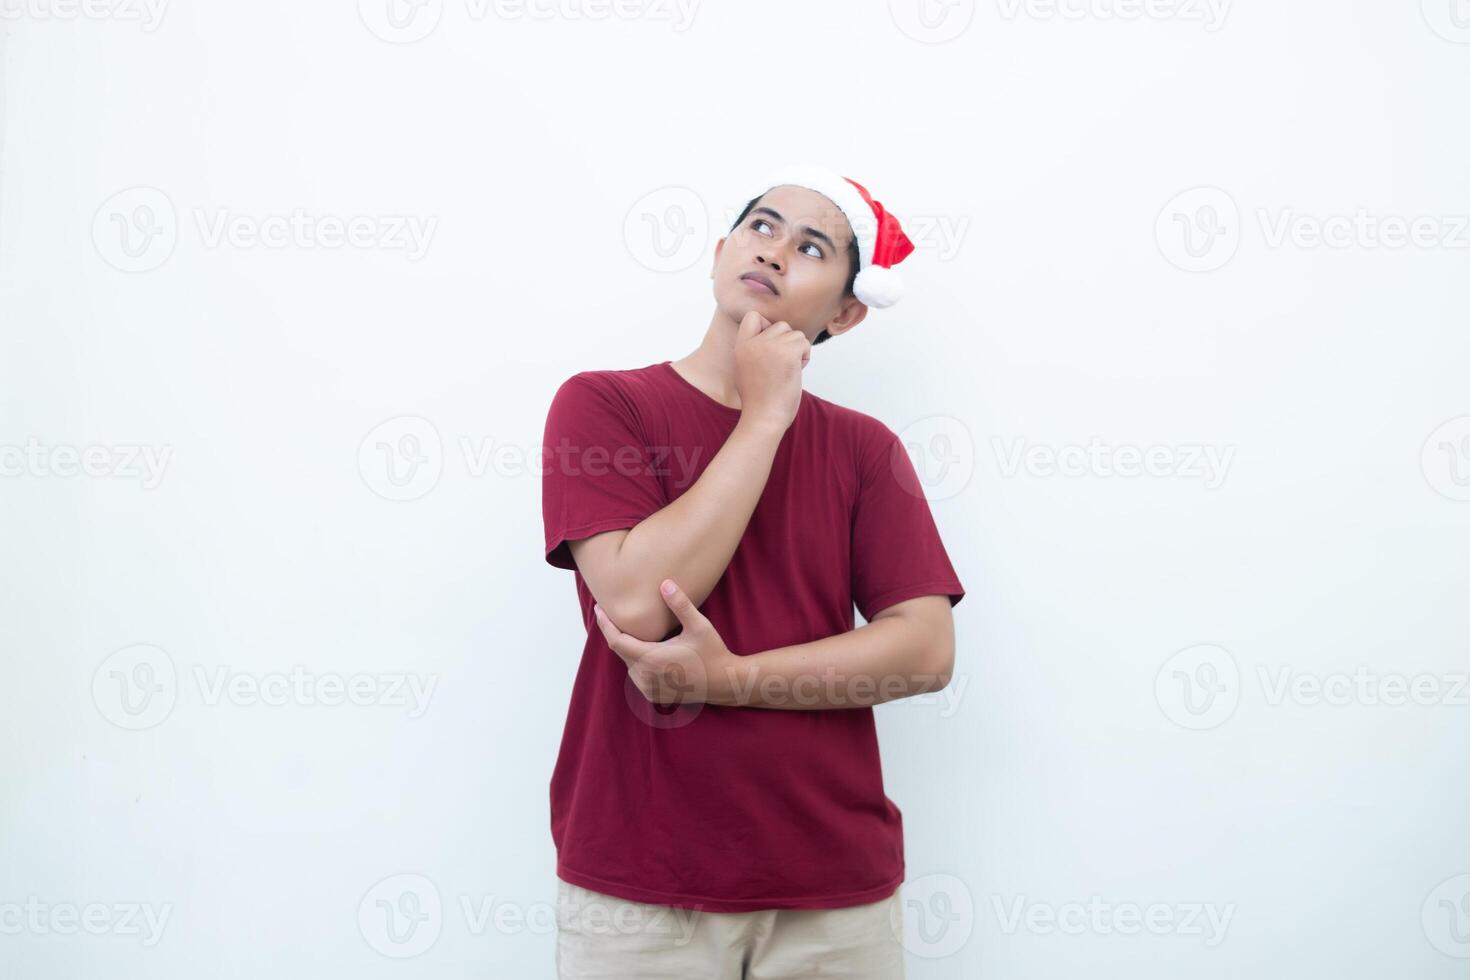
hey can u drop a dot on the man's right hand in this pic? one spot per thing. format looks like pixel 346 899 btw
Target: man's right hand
pixel 769 358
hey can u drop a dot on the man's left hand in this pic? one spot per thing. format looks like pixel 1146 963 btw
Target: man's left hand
pixel 694 666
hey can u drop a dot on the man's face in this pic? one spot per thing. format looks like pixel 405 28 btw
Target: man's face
pixel 797 240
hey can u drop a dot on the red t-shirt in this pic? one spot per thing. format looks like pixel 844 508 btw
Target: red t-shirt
pixel 733 809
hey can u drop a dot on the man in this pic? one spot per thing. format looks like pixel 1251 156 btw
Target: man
pixel 717 804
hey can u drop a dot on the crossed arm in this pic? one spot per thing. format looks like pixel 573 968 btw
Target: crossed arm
pixel 907 649
pixel 691 540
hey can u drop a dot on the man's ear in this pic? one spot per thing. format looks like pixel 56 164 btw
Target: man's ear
pixel 852 312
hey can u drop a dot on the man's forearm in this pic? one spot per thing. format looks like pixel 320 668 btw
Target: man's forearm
pixel 885 660
pixel 693 538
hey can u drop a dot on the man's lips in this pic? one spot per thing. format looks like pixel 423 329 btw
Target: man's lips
pixel 759 281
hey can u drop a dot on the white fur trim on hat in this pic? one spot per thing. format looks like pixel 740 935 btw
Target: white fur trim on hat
pixel 878 286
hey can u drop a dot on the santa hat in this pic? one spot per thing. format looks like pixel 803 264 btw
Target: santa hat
pixel 881 242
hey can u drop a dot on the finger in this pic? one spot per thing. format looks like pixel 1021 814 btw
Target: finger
pixel 751 324
pixel 625 645
pixel 797 339
pixel 677 600
pixel 749 327
pixel 610 632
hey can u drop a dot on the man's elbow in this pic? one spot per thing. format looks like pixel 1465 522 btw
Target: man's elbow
pixel 941 670
pixel 646 621
pixel 941 662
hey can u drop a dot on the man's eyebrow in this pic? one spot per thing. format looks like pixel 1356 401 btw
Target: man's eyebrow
pixel 805 229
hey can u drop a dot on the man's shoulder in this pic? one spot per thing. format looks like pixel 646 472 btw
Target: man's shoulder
pixel 614 376
pixel 627 383
pixel 862 426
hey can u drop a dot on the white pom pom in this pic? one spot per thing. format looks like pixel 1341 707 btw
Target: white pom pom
pixel 878 286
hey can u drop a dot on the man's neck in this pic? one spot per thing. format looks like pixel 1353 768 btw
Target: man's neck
pixel 710 367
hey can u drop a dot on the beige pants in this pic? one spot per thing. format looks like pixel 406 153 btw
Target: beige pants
pixel 608 938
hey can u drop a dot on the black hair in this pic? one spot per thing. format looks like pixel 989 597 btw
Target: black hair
pixel 852 263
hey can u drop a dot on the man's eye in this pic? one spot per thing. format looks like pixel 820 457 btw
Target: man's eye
pixel 815 246
pixel 760 221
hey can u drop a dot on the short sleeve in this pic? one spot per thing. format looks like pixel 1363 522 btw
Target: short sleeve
pixel 896 550
pixel 597 472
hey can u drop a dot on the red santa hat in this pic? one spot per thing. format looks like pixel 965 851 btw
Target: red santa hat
pixel 880 240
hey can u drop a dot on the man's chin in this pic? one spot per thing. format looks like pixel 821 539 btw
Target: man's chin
pixel 737 307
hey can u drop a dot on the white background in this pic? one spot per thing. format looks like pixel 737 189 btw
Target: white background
pixel 1099 194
